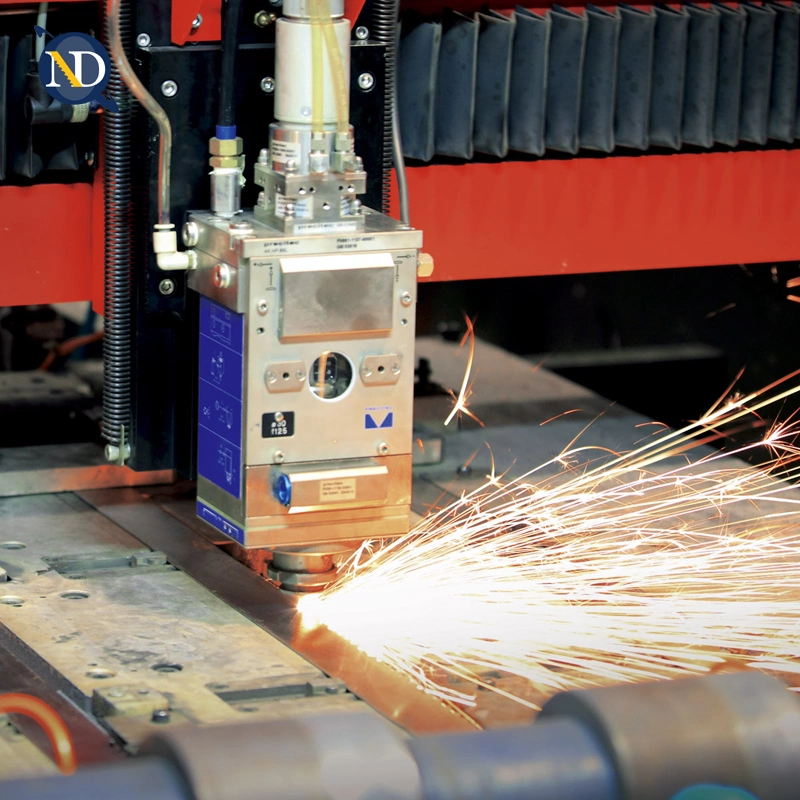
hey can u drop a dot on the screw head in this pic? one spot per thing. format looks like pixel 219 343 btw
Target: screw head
pixel 383 448
pixel 362 32
pixel 267 85
pixel 366 81
pixel 278 416
pixel 262 306
pixel 279 457
pixel 169 88
pixel 160 716
pixel 406 298
pixel 240 227
pixel 190 234
pixel 271 377
pixel 395 369
pixel 263 156
pixel 88 157
pixel 366 371
pixel 222 276
pixel 301 374
pixel 167 286
pixel 263 18
pixel 143 40
pixel 197 22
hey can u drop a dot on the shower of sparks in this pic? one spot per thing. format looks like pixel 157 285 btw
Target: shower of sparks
pixel 594 568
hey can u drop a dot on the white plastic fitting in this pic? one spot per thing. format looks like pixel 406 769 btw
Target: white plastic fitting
pixel 165 246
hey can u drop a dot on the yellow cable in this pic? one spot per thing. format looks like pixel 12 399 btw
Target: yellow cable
pixel 320 13
pixel 317 73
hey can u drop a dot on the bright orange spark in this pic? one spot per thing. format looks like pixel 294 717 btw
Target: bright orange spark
pixel 460 402
pixel 558 416
pixel 594 568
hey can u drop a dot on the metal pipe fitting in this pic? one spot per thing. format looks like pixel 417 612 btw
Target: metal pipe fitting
pixel 738 730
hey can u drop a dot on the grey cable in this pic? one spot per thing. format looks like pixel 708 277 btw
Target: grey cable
pixel 397 142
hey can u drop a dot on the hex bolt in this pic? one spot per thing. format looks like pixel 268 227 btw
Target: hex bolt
pixel 279 457
pixel 406 298
pixel 362 32
pixel 143 40
pixel 262 306
pixel 267 85
pixel 197 22
pixel 190 234
pixel 167 286
pixel 169 88
pixel 366 81
pixel 383 448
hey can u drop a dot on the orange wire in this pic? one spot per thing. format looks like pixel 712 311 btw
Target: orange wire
pixel 54 727
pixel 69 346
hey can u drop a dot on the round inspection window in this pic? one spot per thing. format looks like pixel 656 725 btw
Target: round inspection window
pixel 331 375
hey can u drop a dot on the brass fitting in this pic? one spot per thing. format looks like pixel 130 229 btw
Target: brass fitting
pixel 226 162
pixel 225 147
pixel 424 265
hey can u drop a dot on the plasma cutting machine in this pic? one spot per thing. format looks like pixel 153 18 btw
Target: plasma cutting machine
pixel 271 357
pixel 306 355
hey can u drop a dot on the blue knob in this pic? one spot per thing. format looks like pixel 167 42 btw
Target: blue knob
pixel 283 490
pixel 708 791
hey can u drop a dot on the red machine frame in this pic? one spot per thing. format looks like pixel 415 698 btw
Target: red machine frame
pixel 480 220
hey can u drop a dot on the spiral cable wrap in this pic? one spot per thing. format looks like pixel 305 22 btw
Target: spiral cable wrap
pixel 118 247
pixel 384 30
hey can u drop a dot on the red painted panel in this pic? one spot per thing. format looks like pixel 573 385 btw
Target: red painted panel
pixel 46 240
pixel 184 13
pixel 608 214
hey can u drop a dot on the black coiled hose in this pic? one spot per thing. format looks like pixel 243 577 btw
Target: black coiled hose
pixel 384 30
pixel 118 275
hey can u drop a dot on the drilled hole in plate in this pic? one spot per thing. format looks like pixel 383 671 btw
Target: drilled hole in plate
pixel 13 545
pixel 167 667
pixel 259 330
pixel 11 600
pixel 100 674
pixel 381 369
pixel 286 376
pixel 74 594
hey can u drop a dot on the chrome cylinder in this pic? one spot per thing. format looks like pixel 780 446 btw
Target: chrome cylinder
pixel 226 192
